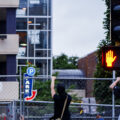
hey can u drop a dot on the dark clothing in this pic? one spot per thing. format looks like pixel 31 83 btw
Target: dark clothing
pixel 58 106
pixel 117 91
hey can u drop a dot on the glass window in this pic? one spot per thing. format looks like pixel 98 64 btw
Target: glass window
pixel 31 61
pixel 22 10
pixel 41 23
pixel 31 27
pixel 37 38
pixel 31 23
pixel 41 53
pixel 42 40
pixel 21 23
pixel 49 24
pixel 49 67
pixel 33 36
pixel 49 40
pixel 42 65
pixel 38 7
pixel 22 43
pixel 49 53
pixel 22 61
pixel 49 9
pixel 32 39
pixel 23 4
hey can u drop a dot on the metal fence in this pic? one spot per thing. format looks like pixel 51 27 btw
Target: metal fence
pixel 43 110
pixel 79 87
pixel 9 92
pixel 86 109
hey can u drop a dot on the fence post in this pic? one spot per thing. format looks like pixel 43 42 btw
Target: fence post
pixel 113 99
pixel 14 109
pixel 27 113
pixel 23 95
pixel 20 91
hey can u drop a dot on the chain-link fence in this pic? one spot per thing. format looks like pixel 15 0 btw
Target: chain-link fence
pixel 9 92
pixel 85 103
pixel 84 106
pixel 43 110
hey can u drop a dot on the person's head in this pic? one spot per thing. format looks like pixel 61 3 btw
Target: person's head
pixel 61 88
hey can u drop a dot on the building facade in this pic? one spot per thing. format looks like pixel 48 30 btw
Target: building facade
pixel 9 40
pixel 88 65
pixel 33 24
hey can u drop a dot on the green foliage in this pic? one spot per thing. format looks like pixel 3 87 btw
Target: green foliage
pixel 43 90
pixel 72 87
pixel 55 74
pixel 102 92
pixel 101 88
pixel 65 62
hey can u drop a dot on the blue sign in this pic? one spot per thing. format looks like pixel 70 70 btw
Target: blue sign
pixel 31 71
pixel 28 86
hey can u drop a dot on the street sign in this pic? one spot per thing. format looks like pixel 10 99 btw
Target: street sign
pixel 28 85
pixel 29 93
pixel 111 57
pixel 31 71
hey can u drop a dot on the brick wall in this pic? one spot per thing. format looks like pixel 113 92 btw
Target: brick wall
pixel 88 65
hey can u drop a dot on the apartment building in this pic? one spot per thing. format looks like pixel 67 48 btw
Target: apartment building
pixel 9 40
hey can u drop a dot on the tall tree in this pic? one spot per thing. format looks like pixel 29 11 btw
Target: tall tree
pixel 101 88
pixel 65 62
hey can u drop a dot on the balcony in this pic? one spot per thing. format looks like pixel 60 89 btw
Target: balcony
pixel 9 3
pixel 9 44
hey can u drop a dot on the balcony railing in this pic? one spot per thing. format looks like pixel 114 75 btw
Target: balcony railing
pixel 9 43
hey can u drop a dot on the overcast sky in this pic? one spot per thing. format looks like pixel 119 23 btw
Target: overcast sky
pixel 77 26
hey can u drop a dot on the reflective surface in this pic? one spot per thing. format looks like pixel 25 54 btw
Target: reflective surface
pixel 38 7
pixel 33 25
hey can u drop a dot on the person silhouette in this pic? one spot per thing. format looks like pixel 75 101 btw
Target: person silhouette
pixel 59 101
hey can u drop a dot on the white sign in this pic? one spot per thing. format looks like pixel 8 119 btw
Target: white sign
pixel 20 12
pixel 34 1
pixel 21 51
pixel 34 36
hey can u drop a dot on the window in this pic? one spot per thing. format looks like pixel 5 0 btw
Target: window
pixel 22 44
pixel 38 7
pixel 21 23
